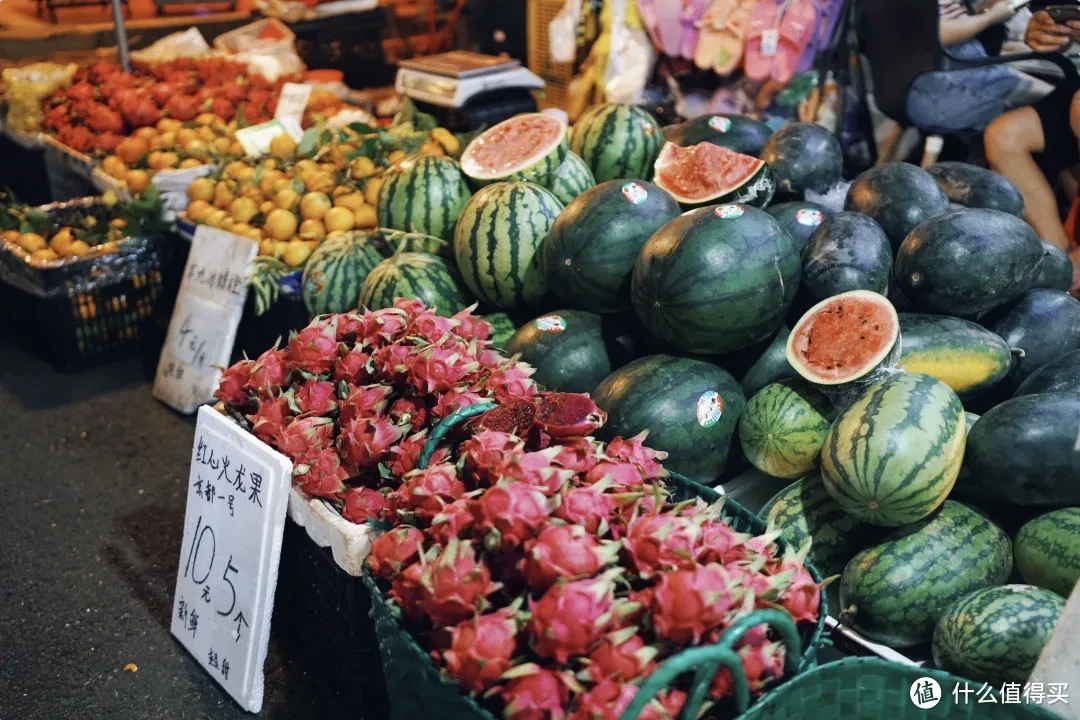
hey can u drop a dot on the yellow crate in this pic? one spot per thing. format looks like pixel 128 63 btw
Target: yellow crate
pixel 556 76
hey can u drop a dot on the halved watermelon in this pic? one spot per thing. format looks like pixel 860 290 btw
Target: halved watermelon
pixel 844 338
pixel 526 147
pixel 707 174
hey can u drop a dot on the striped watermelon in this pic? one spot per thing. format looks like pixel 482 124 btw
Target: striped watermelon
pixel 892 457
pixel 617 141
pixel 416 276
pixel 528 147
pixel 995 635
pixel 497 243
pixel 502 328
pixel 1047 550
pixel 784 427
pixel 571 179
pixel 335 272
pixel 894 592
pixel 804 510
pixel 423 194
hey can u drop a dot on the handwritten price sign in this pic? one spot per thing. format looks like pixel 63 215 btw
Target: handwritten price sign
pixel 237 496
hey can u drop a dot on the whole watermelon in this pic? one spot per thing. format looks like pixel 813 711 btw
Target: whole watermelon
pixel 1047 550
pixel 965 356
pixel 898 196
pixel 770 366
pixel 1057 269
pixel 497 243
pixel 1060 375
pixel 849 251
pixel 502 328
pixel 734 132
pixel 716 279
pixel 800 218
pixel 976 187
pixel 415 276
pixel 804 156
pixel 335 272
pixel 784 428
pixel 572 178
pixel 617 141
pixel 590 252
pixel 423 194
pixel 690 408
pixel 1044 324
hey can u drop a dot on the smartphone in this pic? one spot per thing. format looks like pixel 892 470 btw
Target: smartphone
pixel 1063 13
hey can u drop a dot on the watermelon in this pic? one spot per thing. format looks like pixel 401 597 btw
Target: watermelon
pixel 898 196
pixel 502 327
pixel 967 261
pixel 497 243
pixel 571 179
pixel 715 280
pixel 1044 324
pixel 892 457
pixel 770 366
pixel 571 350
pixel 849 251
pixel 423 194
pixel 335 272
pixel 1025 450
pixel 894 592
pixel 800 218
pixel 804 510
pixel 706 174
pixel 528 147
pixel 964 487
pixel 1047 550
pixel 784 427
pixel 1057 269
pixel 965 356
pixel 804 156
pixel 975 187
pixel 690 408
pixel 617 141
pixel 995 635
pixel 1060 375
pixel 416 276
pixel 590 252
pixel 734 132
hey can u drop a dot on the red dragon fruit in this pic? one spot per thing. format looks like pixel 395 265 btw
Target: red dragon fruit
pixel 762 589
pixel 353 366
pixel 314 349
pixel 535 693
pixel 609 700
pixel 383 327
pixel 406 589
pixel 471 327
pixel 565 415
pixel 455 400
pixel 621 655
pixel 232 388
pixel 440 369
pixel 404 455
pixel 427 492
pixel 456 585
pixel 270 372
pixel 486 450
pixel 689 603
pixel 394 550
pixel 270 418
pixel 362 503
pixel 762 664
pixel 620 474
pixel 511 381
pixel 719 543
pixel 511 416
pixel 634 451
pixel 365 401
pixel 636 609
pixel 411 307
pixel 802 596
pixel 454 519
pixel 578 454
pixel 318 473
pixel 431 327
pixel 481 649
pixel 306 433
pixel 759 546
pixel 535 469
pixel 316 397
pixel 351 327
pixel 571 617
pixel 589 506
pixel 662 542
pixel 366 442
pixel 510 513
pixel 410 409
pixel 565 551
pixel 391 363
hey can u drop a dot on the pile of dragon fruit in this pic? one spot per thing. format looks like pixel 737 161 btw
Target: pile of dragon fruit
pixel 547 573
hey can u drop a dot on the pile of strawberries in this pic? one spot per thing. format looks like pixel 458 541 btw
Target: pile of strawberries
pixel 547 572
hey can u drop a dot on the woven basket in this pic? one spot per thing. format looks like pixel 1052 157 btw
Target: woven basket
pixel 415 686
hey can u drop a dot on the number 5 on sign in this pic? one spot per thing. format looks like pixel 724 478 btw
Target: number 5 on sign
pixel 238 491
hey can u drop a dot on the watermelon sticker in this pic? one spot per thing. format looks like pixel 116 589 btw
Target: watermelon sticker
pixel 634 193
pixel 550 323
pixel 710 406
pixel 648 128
pixel 809 217
pixel 729 211
pixel 719 124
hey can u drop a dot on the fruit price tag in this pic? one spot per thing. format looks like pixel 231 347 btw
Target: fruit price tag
pixel 238 490
pixel 292 101
pixel 769 40
pixel 172 187
pixel 256 139
pixel 204 322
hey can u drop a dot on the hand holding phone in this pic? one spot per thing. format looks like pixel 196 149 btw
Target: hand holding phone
pixel 1044 34
pixel 1062 14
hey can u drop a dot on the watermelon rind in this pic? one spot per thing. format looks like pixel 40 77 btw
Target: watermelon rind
pixel 1060 375
pixel 1047 550
pixel 415 276
pixel 617 141
pixel 783 428
pixel 423 194
pixel 756 188
pixel 572 178
pixel 995 635
pixel 976 187
pixel 1042 324
pixel 804 156
pixel 335 272
pixel 538 167
pixel 965 356
pixel 849 251
pixel 896 590
pixel 898 196
pixel 892 457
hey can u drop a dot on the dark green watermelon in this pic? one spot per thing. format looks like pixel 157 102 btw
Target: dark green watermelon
pixel 968 261
pixel 849 251
pixel 771 365
pixel 976 187
pixel 590 251
pixel 800 218
pixel 571 350
pixel 734 132
pixel 898 196
pixel 1044 324
pixel 690 408
pixel 1025 450
pixel 716 279
pixel 804 156
pixel 1057 269
pixel 1059 375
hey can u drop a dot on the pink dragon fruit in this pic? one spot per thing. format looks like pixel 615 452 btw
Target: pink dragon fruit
pixel 760 546
pixel 394 550
pixel 391 363
pixel 471 327
pixel 440 369
pixel 578 454
pixel 406 589
pixel 350 327
pixel 431 327
pixel 762 664
pixel 621 655
pixel 404 455
pixel 510 513
pixel 456 399
pixel 535 469
pixel 634 451
pixel 481 649
pixel 689 603
pixel 802 597
pixel 366 442
pixel 566 415
pixel 571 617
pixel 589 506
pixel 454 519
pixel 362 503
pixel 534 693
pixel 565 551
pixel 410 409
pixel 636 609
pixel 233 387
pixel 316 397
pixel 411 308
pixel 662 542
pixel 270 419
pixel 763 589
pixel 318 473
pixel 510 381
pixel 456 585
pixel 365 401
pixel 270 372
pixel 427 492
pixel 489 358
pixel 353 367
pixel 306 433
pixel 383 327
pixel 620 474
pixel 315 348
pixel 486 450
pixel 720 543
pixel 609 699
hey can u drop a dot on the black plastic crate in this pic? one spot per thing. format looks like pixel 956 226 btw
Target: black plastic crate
pixel 351 43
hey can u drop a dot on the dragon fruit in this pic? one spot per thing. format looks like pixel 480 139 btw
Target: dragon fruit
pixel 760 546
pixel 471 327
pixel 270 419
pixel 486 450
pixel 515 417
pixel 362 503
pixel 802 597
pixel 404 455
pixel 431 327
pixel 689 603
pixel 407 590
pixel 391 363
pixel 365 401
pixel 233 387
pixel 619 474
pixel 535 469
pixel 534 693
pixel 511 381
pixel 589 506
pixel 350 327
pixel 621 655
pixel 571 617
pixel 762 664
pixel 305 433
pixel 764 589
pixel 409 409
pixel 636 608
pixel 410 306
pixel 719 543
pixel 316 397
pixel 565 415
pixel 270 372
pixel 634 451
pixel 394 550
pixel 365 442
pixel 427 492
pixel 439 369
pixel 662 542
pixel 565 551
pixel 509 513
pixel 455 585
pixel 455 400
pixel 454 519
pixel 609 699
pixel 315 348
pixel 318 472
pixel 353 367
pixel 383 327
pixel 578 454
pixel 481 649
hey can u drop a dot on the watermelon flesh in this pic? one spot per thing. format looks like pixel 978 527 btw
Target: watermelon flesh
pixel 514 146
pixel 698 174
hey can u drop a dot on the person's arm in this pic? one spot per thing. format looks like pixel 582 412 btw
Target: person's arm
pixel 1045 35
pixel 957 30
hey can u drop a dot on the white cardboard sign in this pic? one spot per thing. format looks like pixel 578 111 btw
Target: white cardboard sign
pixel 238 491
pixel 204 322
pixel 256 139
pixel 172 187
pixel 1059 663
pixel 292 101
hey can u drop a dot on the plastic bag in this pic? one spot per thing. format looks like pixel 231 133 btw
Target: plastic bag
pixel 833 198
pixel 267 46
pixel 630 62
pixel 26 87
pixel 562 32
pixel 189 43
